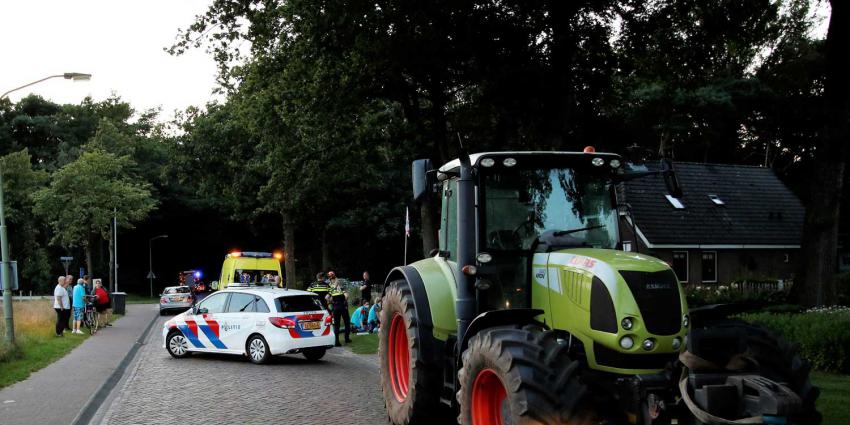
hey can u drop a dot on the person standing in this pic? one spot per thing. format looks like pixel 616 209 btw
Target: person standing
pixel 102 303
pixel 69 284
pixel 338 299
pixel 321 288
pixel 79 305
pixel 366 288
pixel 62 304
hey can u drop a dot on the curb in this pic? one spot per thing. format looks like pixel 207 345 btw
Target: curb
pixel 96 400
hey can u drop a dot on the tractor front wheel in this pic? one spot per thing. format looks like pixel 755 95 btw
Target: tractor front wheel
pixel 513 375
pixel 410 383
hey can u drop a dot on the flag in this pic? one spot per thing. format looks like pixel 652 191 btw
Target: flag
pixel 407 222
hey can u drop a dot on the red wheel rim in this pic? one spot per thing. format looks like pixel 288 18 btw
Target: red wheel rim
pixel 399 358
pixel 488 395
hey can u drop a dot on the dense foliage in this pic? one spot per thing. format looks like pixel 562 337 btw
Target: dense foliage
pixel 822 335
pixel 328 102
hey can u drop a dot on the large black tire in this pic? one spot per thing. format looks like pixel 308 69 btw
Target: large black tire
pixel 521 376
pixel 779 361
pixel 411 384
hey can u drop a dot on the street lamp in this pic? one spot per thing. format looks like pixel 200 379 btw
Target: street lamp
pixel 150 259
pixel 4 242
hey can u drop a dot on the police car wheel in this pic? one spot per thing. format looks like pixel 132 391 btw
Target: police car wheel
pixel 314 354
pixel 257 349
pixel 178 345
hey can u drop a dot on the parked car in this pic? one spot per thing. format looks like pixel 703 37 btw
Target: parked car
pixel 175 298
pixel 258 322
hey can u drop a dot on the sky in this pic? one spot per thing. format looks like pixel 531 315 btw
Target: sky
pixel 119 42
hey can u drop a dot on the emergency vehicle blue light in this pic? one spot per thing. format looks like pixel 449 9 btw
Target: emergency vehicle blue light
pixel 197 275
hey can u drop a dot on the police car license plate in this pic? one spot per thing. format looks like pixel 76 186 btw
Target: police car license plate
pixel 310 326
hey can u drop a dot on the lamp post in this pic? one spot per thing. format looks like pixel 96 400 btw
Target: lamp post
pixel 150 259
pixel 4 242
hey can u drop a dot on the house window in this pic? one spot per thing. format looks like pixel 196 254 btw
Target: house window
pixel 680 265
pixel 709 266
pixel 627 246
pixel 675 202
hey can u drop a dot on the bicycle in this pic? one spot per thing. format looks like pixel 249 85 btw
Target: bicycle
pixel 90 316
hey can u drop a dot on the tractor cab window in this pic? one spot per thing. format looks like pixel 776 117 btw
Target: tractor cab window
pixel 561 205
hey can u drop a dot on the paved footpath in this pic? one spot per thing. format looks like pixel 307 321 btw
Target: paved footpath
pixel 340 389
pixel 67 391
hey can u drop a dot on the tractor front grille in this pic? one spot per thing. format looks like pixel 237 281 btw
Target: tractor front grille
pixel 657 297
pixel 611 358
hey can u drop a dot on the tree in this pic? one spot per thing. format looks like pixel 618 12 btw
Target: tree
pixel 817 272
pixel 86 194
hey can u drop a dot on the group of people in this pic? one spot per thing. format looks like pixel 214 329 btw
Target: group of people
pixel 334 298
pixel 67 300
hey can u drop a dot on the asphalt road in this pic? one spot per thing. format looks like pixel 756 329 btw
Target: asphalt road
pixel 342 388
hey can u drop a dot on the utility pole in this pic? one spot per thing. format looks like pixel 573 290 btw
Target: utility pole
pixel 4 269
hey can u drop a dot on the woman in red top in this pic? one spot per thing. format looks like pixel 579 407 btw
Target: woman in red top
pixel 102 303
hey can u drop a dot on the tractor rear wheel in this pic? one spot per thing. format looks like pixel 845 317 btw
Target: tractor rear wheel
pixel 411 385
pixel 514 375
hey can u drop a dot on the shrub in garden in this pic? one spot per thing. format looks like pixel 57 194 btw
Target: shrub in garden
pixel 822 334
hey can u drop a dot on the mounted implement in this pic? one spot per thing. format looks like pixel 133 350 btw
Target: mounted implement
pixel 530 312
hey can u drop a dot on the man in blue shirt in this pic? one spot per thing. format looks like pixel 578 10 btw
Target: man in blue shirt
pixel 79 303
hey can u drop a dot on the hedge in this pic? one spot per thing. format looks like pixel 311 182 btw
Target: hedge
pixel 822 335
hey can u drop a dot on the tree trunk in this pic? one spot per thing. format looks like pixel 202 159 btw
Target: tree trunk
pixel 289 252
pixel 818 267
pixel 326 251
pixel 88 248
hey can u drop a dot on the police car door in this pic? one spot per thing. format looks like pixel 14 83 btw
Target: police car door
pixel 204 324
pixel 238 321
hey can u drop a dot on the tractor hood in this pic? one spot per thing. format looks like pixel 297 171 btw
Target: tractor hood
pixel 613 301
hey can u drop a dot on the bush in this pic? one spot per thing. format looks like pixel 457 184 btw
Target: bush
pixel 822 335
pixel 699 295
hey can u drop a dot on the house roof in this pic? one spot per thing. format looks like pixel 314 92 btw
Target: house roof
pixel 757 208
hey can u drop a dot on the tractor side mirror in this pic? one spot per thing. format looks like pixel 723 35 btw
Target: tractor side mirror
pixel 423 178
pixel 670 178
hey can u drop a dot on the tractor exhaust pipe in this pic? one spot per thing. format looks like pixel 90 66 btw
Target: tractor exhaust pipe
pixel 465 303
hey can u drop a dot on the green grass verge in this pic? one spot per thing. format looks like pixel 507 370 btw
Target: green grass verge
pixel 141 299
pixel 33 352
pixel 834 401
pixel 364 344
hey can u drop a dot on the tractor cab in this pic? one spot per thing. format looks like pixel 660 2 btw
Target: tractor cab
pixel 528 203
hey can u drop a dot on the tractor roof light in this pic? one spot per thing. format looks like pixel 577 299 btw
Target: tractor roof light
pixel 598 162
pixel 648 344
pixel 488 162
pixel 509 162
pixel 484 258
pixel 589 149
pixel 614 163
pixel 627 342
pixel 627 323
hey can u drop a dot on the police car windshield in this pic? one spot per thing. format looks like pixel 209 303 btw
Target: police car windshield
pixel 297 303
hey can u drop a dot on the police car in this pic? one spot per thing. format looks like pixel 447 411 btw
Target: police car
pixel 258 322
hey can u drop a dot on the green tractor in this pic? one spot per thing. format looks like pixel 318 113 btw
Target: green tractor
pixel 530 312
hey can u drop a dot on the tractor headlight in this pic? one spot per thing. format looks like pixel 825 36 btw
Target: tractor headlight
pixel 484 258
pixel 627 342
pixel 488 162
pixel 648 344
pixel 614 163
pixel 627 323
pixel 598 162
pixel 509 162
pixel 686 320
pixel 677 343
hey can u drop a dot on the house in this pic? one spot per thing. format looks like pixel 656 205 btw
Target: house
pixel 732 222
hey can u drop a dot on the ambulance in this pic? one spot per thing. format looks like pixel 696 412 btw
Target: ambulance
pixel 251 268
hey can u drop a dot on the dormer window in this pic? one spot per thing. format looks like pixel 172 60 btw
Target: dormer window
pixel 675 202
pixel 716 199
